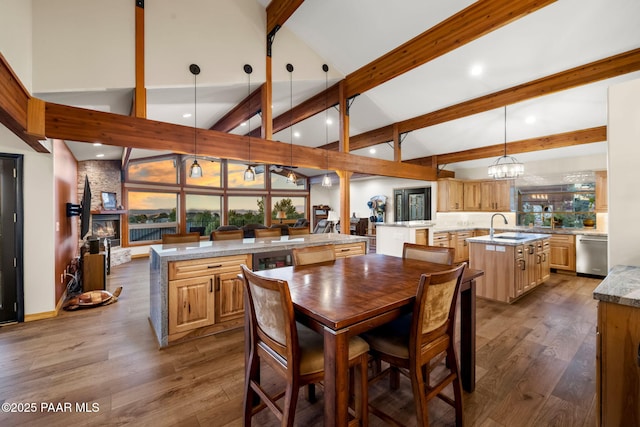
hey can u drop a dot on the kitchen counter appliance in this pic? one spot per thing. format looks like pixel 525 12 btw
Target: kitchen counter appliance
pixel 591 255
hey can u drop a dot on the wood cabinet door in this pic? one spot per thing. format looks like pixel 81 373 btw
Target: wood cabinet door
pixel 472 195
pixel 462 246
pixel 619 367
pixel 230 297
pixel 496 195
pixel 602 198
pixel 191 303
pixel 422 236
pixel 450 195
pixel 562 255
pixel 441 239
pixel 520 276
pixel 531 257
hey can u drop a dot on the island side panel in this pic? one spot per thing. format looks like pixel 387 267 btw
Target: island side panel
pixel 158 298
pixel 497 262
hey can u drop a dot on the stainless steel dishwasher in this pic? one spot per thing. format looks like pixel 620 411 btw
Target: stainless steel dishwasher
pixel 591 255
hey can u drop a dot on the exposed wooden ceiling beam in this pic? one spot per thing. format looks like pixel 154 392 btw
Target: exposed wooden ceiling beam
pixel 473 22
pixel 248 107
pixel 613 66
pixel 278 11
pixel 306 109
pixel 79 124
pixel 19 112
pixel 566 139
pixel 606 68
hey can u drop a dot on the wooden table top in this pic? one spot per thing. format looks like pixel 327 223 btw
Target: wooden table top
pixel 349 290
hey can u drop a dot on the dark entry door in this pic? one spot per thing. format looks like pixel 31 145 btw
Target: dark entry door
pixel 10 255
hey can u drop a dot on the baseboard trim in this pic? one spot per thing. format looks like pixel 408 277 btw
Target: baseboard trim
pixel 40 316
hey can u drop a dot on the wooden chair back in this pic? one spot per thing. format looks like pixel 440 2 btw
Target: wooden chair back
pixel 313 254
pixel 435 254
pixel 180 238
pixel 271 316
pixel 297 231
pixel 227 235
pixel 268 232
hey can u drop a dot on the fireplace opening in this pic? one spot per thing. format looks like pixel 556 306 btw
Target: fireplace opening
pixel 106 226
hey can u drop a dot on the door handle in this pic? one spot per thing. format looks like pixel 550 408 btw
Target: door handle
pixel 214 266
pixel 210 284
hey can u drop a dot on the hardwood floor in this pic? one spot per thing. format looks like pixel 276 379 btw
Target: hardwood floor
pixel 535 366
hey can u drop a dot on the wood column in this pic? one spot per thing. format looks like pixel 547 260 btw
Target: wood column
pixel 140 95
pixel 397 151
pixel 343 146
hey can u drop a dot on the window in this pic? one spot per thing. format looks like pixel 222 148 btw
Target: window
pixel 235 176
pixel 279 180
pixel 566 204
pixel 211 172
pixel 151 214
pixel 293 207
pixel 203 213
pixel 156 170
pixel 244 210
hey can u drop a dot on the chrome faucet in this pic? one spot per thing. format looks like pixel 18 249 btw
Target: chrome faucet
pixel 491 226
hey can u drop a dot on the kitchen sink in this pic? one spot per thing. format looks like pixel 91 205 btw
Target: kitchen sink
pixel 511 236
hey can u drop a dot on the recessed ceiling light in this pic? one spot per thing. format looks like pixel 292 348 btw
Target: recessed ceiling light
pixel 97 144
pixel 530 120
pixel 476 70
pixel 296 134
pixel 243 124
pixel 186 115
pixel 329 121
pixel 372 150
pixel 100 155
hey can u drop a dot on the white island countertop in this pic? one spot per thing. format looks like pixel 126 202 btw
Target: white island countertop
pixel 508 239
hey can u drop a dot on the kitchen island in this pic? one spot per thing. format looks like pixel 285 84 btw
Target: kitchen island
pixel 618 347
pixel 194 288
pixel 513 264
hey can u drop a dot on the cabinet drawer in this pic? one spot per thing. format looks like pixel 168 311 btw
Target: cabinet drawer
pixel 563 238
pixel 441 239
pixel 207 266
pixel 349 249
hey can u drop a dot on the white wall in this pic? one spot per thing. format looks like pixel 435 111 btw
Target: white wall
pixel 362 190
pixel 624 152
pixel 83 44
pixel 39 224
pixel 15 37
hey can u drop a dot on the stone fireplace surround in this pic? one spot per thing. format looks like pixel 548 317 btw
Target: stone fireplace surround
pixel 104 175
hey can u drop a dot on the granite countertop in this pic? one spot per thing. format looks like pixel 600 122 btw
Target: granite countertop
pixel 621 286
pixel 509 239
pixel 206 249
pixel 521 229
pixel 407 224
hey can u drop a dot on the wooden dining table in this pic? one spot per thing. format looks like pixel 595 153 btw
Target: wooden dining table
pixel 348 296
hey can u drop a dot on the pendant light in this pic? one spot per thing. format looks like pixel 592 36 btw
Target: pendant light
pixel 506 167
pixel 326 181
pixel 196 170
pixel 249 174
pixel 291 177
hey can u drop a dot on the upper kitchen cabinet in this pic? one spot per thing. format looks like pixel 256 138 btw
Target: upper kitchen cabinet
pixel 496 196
pixel 602 199
pixel 450 195
pixel 472 195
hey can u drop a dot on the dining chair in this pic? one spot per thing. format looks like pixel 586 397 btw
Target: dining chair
pixel 180 238
pixel 435 254
pixel 297 231
pixel 227 235
pixel 268 232
pixel 410 342
pixel 313 254
pixel 293 350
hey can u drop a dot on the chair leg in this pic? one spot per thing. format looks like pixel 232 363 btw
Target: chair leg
pixel 457 387
pixel 394 378
pixel 419 395
pixel 311 393
pixel 289 404
pixel 251 398
pixel 361 390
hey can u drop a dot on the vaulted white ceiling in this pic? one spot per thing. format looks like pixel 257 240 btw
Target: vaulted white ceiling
pixel 350 34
